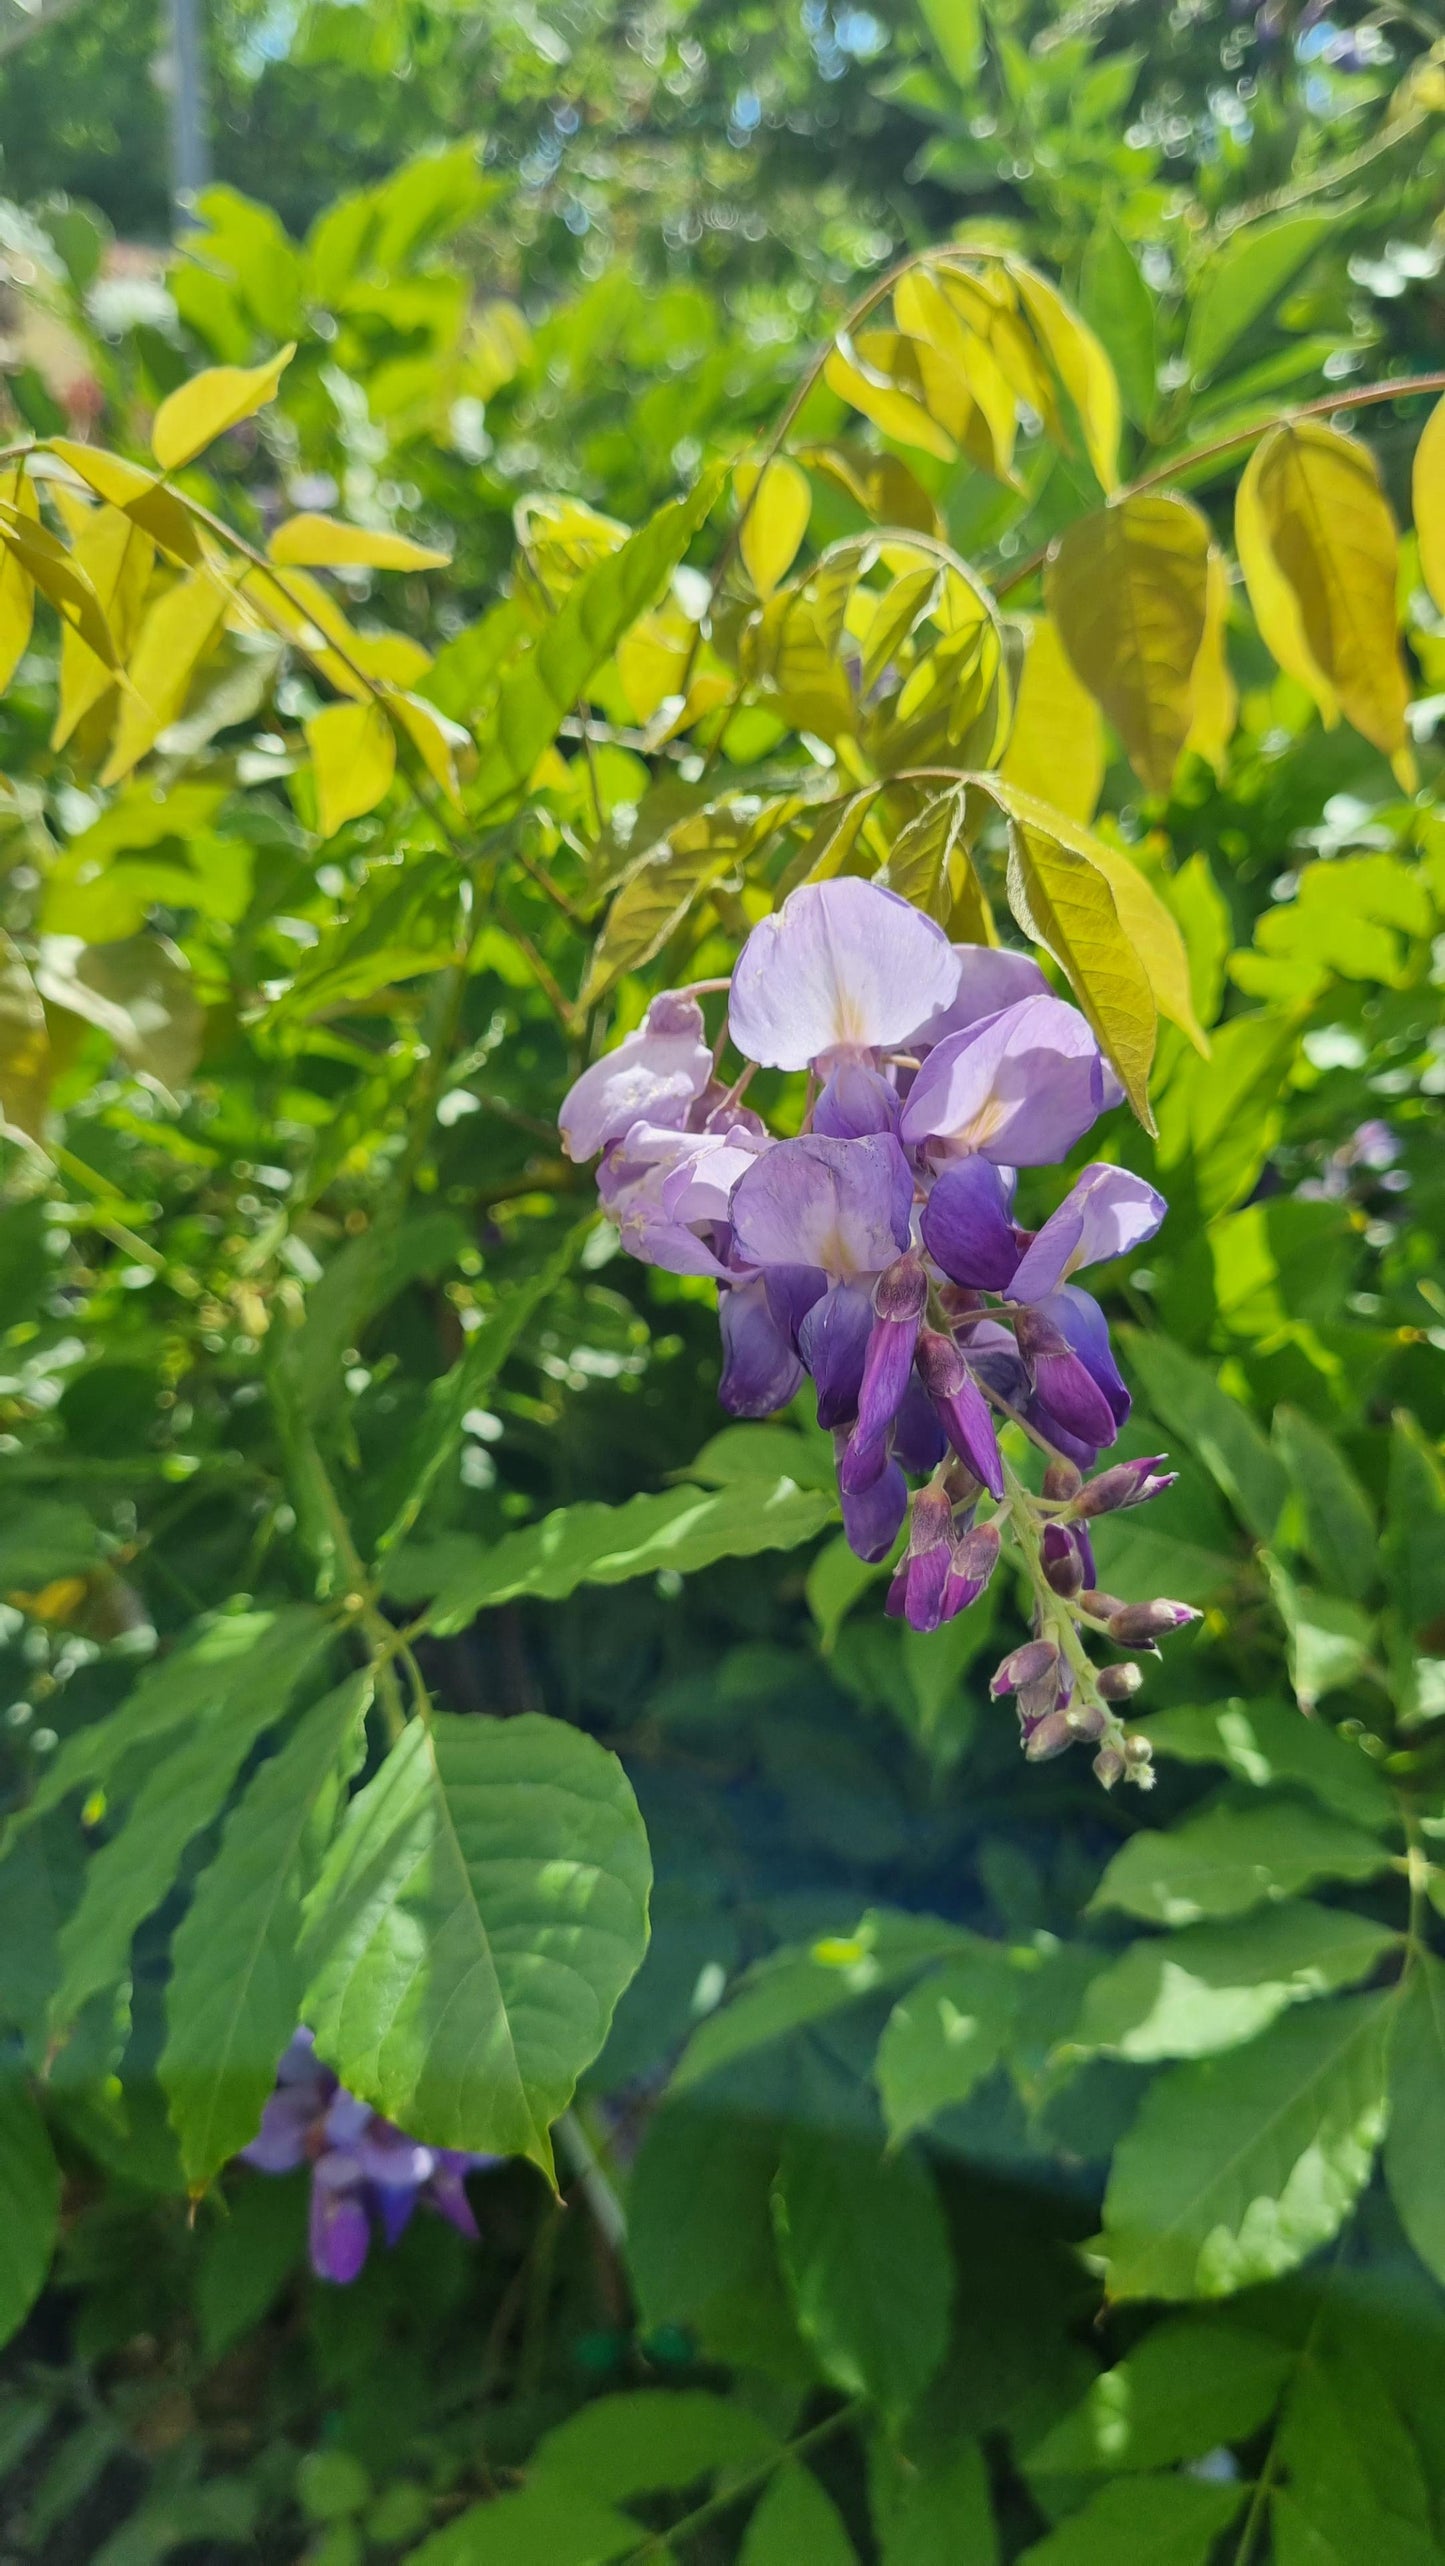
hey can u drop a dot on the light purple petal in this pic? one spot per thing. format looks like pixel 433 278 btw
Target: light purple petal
pixel 1106 1213
pixel 857 1099
pixel 340 2234
pixel 652 1076
pixel 760 1369
pixel 843 966
pixel 1019 1088
pixel 669 1191
pixel 280 2143
pixel 840 1205
pixel 966 1225
pixel 989 978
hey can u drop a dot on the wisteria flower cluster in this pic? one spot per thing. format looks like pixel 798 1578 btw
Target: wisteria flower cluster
pixel 877 1251
pixel 364 2172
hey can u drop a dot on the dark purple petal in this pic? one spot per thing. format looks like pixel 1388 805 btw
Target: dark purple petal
pixel 340 2233
pixel 966 1225
pixel 856 1099
pixel 394 2204
pixel 446 2192
pixel 1082 1323
pixel 1065 1385
pixel 917 1439
pixel 917 1592
pixel 871 1518
pixel 833 1342
pixel 898 1301
pixel 1105 1214
pixel 975 1557
pixel 963 1411
pixel 760 1370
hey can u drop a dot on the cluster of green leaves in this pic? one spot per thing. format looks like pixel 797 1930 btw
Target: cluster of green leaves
pixel 373 1569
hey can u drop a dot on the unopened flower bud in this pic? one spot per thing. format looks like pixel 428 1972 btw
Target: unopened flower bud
pixel 975 1557
pixel 1089 1720
pixel 1027 1665
pixel 1048 1737
pixel 1117 1683
pixel 1139 1761
pixel 901 1290
pixel 963 1411
pixel 1062 1480
pixel 1099 1606
pixel 1128 1483
pixel 1109 1766
pixel 917 1592
pixel 1063 1566
pixel 1139 1625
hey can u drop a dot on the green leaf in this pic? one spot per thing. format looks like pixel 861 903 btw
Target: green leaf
pixel 1415 2150
pixel 594 1545
pixel 1151 2521
pixel 30 2189
pixel 1415 1528
pixel 1338 1517
pixel 42 1538
pixel 944 2035
pixel 1127 588
pixel 1119 308
pixel 543 2524
pixel 1233 1858
pixel 956 27
pixel 1242 279
pixel 834 1584
pixel 939 2508
pixel 701 2251
pixel 1212 1987
pixel 185 1789
pixel 477 1919
pixel 1329 1638
pixel 541 689
pixel 645 2439
pixel 1357 2488
pixel 1238 2167
pixel 1267 1742
pixel 796 2520
pixel 1187 1398
pixel 849 2223
pixel 236 1978
pixel 248 2257
pixel 363 1277
pixel 793 1988
pixel 1188 2387
pixel 1224 1114
pixel 464 1386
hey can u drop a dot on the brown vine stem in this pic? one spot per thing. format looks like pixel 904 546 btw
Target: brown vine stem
pixel 1363 397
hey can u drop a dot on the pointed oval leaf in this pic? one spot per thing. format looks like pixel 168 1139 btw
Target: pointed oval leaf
pixel 1081 366
pixel 353 753
pixel 179 629
pixel 778 506
pixel 30 2189
pixel 796 2519
pixel 17 587
pixel 477 1920
pixel 1214 697
pixel 1428 501
pixel 1166 2521
pixel 1230 1859
pixel 1056 747
pixel 1415 2150
pixel 311 542
pixel 1128 589
pixel 943 2036
pixel 196 413
pixel 849 2224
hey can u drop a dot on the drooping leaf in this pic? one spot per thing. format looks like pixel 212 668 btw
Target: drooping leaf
pixel 1185 1395
pixel 1268 1744
pixel 1238 2167
pixel 1339 1519
pixel 47 563
pixel 1231 1859
pixel 353 753
pixel 778 502
pixel 794 1988
pixel 135 493
pixel 1127 589
pixel 922 856
pixel 1119 308
pixel 117 556
pixel 796 2519
pixel 1153 2521
pixel 236 1980
pixel 477 1919
pixel 17 587
pixel 25 1059
pixel 1428 501
pixel 592 1545
pixel 193 416
pixel 639 2441
pixel 139 991
pixel 1413 2151
pixel 1241 278
pixel 1062 897
pixel 1213 1986
pixel 849 2222
pixel 1328 1639
pixel 30 2189
pixel 178 630
pixel 1317 545
pixel 1081 365
pixel 310 542
pixel 1056 747
pixel 701 2251
pixel 945 2034
pixel 1191 2386
pixel 1213 695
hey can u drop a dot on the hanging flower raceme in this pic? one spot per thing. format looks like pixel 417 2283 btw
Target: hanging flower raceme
pixel 364 2173
pixel 877 1252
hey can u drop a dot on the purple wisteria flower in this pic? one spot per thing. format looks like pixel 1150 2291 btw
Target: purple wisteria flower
pixel 877 1250
pixel 364 2172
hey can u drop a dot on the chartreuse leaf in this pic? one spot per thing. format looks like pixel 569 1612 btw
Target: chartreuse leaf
pixel 310 542
pixel 541 688
pixel 1189 2387
pixel 25 1057
pixel 353 755
pixel 30 2189
pixel 1242 277
pixel 1339 1520
pixel 1213 695
pixel 17 588
pixel 1238 2167
pixel 1318 548
pixel 179 628
pixel 1428 502
pixel 591 1545
pixel 1056 747
pixel 1415 2150
pixel 46 562
pixel 236 1978
pixel 706 849
pixel 117 555
pixel 196 413
pixel 1151 2521
pixel 944 2035
pixel 922 856
pixel 1127 588
pixel 906 387
pixel 478 1917
pixel 793 1988
pixel 1213 1986
pixel 796 2520
pixel 956 27
pixel 137 494
pixel 1081 365
pixel 778 501
pixel 849 2223
pixel 1154 933
pixel 1233 1858
pixel 1268 1743
pixel 1186 1396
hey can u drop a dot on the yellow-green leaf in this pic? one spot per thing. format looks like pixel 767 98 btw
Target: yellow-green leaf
pixel 927 311
pixel 1318 548
pixel 25 1065
pixel 137 493
pixel 1127 588
pixel 926 855
pixel 303 612
pixel 657 896
pixel 1154 933
pixel 437 739
pixel 1082 367
pixel 776 509
pixel 1062 897
pixel 1428 499
pixel 883 377
pixel 46 561
pixel 118 555
pixel 17 588
pixel 1213 695
pixel 353 752
pixel 1056 746
pixel 177 633
pixel 193 416
pixel 882 484
pixel 312 542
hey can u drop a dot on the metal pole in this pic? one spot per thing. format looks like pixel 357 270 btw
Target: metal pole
pixel 190 138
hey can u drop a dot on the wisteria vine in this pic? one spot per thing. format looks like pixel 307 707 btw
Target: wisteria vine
pixel 876 1251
